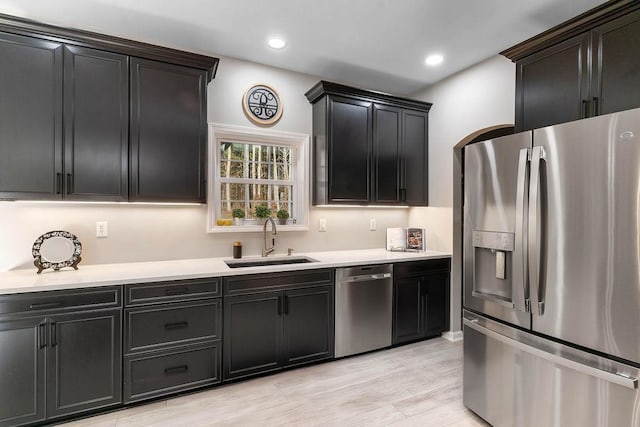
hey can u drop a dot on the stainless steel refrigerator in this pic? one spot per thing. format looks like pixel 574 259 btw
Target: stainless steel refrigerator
pixel 551 275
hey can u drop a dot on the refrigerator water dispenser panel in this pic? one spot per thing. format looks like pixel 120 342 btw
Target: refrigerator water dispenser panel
pixel 493 251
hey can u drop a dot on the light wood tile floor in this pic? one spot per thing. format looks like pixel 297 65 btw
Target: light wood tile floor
pixel 414 385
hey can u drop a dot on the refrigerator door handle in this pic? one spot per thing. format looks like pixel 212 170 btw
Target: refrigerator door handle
pixel 612 377
pixel 535 230
pixel 520 282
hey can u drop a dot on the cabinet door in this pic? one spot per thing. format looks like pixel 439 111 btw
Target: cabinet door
pixel 30 118
pixel 85 362
pixel 308 325
pixel 552 85
pixel 22 358
pixel 387 154
pixel 408 317
pixel 96 111
pixel 616 75
pixel 415 185
pixel 436 305
pixel 168 132
pixel 349 150
pixel 252 334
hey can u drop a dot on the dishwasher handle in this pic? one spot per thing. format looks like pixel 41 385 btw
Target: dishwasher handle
pixel 366 278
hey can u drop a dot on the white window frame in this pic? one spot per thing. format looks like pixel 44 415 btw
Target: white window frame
pixel 300 163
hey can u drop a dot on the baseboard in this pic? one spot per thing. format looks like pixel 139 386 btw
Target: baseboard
pixel 452 336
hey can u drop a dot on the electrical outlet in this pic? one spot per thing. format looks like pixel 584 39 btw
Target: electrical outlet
pixel 372 224
pixel 102 229
pixel 322 224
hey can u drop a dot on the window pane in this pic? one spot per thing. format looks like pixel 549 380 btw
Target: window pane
pixel 233 151
pixel 231 191
pixel 231 169
pixel 258 170
pixel 259 192
pixel 280 171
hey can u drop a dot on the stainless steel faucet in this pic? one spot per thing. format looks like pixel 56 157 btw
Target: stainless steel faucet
pixel 265 250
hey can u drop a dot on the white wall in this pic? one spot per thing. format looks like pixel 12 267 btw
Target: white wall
pixel 476 98
pixel 152 232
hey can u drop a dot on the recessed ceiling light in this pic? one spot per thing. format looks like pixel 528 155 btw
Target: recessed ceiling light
pixel 433 60
pixel 277 43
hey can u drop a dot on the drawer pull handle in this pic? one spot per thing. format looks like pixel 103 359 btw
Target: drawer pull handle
pixel 178 325
pixel 43 305
pixel 176 370
pixel 177 291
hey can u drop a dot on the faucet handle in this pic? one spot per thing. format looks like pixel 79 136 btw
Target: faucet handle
pixel 289 250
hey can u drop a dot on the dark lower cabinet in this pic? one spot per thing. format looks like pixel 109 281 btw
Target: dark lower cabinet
pixel 61 361
pixel 83 362
pixel 172 337
pixel 272 322
pixel 421 300
pixel 22 350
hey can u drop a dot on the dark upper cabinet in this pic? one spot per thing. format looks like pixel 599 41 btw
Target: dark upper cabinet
pixel 369 148
pixel 585 67
pixel 95 117
pixel 349 163
pixel 421 299
pixel 168 132
pixel 30 118
pixel 96 111
pixel 414 170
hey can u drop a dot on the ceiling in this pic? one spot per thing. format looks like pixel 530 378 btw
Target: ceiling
pixel 373 44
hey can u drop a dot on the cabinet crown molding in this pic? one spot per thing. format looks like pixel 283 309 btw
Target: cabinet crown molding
pixel 323 88
pixel 584 22
pixel 26 27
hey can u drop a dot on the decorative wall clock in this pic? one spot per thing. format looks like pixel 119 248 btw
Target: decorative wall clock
pixel 262 104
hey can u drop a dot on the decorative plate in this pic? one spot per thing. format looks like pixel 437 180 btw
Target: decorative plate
pixel 56 249
pixel 262 104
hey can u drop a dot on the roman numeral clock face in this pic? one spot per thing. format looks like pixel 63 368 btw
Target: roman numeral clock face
pixel 262 104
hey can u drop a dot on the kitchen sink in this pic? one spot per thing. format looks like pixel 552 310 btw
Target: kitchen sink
pixel 266 262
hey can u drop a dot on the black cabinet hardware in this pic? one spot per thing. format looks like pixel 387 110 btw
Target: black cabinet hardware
pixel 54 334
pixel 177 325
pixel 176 291
pixel 176 370
pixel 42 334
pixel 45 305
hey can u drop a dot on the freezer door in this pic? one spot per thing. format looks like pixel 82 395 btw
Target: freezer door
pixel 587 289
pixel 513 378
pixel 494 248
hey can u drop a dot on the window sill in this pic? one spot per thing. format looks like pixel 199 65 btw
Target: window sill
pixel 256 228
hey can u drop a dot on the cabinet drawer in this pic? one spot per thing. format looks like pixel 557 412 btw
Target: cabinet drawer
pixel 154 374
pixel 183 290
pixel 252 283
pixel 170 324
pixel 60 300
pixel 421 267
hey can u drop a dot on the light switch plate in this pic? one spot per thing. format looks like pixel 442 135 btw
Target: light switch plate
pixel 322 224
pixel 372 224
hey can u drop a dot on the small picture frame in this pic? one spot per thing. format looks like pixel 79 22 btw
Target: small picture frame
pixel 262 104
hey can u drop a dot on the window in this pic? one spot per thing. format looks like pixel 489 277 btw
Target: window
pixel 253 167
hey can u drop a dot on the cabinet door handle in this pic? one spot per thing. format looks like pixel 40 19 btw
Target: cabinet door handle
pixel 69 183
pixel 58 183
pixel 43 305
pixel 286 304
pixel 176 369
pixel 279 305
pixel 54 334
pixel 176 291
pixel 596 106
pixel 42 335
pixel 177 325
pixel 403 194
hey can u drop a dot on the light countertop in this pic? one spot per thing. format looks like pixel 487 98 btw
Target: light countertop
pixel 17 281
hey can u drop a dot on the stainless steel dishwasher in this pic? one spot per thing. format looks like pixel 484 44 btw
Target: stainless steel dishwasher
pixel 364 303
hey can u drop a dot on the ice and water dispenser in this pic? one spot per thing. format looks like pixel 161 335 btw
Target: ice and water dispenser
pixel 492 264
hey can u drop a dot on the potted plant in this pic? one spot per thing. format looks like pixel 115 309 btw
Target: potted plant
pixel 238 216
pixel 283 216
pixel 262 213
